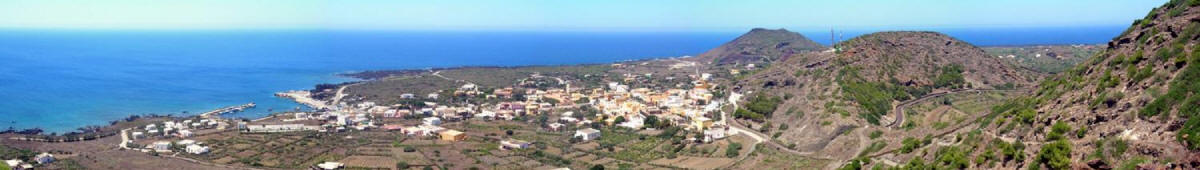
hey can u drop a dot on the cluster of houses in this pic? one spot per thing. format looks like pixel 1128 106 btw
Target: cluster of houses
pixel 180 129
pixel 186 145
pixel 429 127
pixel 689 108
pixel 17 164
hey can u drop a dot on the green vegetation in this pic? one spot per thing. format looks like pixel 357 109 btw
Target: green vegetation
pixel 875 98
pixel 1181 91
pixel 909 144
pixel 1132 163
pixel 759 108
pixel 875 146
pixel 7 153
pixel 1011 151
pixel 949 77
pixel 876 134
pixel 951 157
pixel 732 150
pixel 1056 154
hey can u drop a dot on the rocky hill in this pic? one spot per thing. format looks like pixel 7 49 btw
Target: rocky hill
pixel 760 45
pixel 917 59
pixel 1131 105
pixel 842 102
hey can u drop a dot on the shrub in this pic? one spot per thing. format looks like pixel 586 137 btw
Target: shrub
pixel 1055 155
pixel 909 144
pixel 952 158
pixel 732 150
pixel 949 76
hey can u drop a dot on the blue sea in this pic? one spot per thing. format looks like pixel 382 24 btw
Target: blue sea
pixel 60 80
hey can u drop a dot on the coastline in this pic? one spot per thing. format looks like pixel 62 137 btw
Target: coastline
pixel 303 96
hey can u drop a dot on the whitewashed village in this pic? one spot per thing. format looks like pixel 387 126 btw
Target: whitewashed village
pixel 580 111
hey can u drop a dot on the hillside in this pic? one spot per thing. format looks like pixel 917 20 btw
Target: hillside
pixel 1128 107
pixel 760 45
pixel 843 103
pixel 1140 92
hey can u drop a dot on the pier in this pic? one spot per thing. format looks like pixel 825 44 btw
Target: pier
pixel 230 109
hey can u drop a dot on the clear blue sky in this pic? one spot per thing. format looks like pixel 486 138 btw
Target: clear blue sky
pixel 650 15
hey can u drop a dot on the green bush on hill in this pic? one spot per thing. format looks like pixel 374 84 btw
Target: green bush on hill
pixel 875 98
pixel 1056 154
pixel 949 77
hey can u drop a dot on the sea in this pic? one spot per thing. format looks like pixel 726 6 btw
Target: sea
pixel 61 80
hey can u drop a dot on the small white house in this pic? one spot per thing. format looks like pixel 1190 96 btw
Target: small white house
pixel 138 135
pixel 513 144
pixel 161 146
pixel 587 134
pixel 185 133
pixel 330 165
pixel 196 149
pixel 556 126
pixel 186 142
pixel 432 121
pixel 44 158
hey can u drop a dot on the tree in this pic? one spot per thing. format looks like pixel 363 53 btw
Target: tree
pixel 732 150
pixel 401 165
pixel 1056 155
pixel 651 121
pixel 619 120
pixel 597 167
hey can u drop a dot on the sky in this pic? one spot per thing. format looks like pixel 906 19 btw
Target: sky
pixel 635 15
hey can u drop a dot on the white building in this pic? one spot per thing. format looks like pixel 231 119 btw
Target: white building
pixel 138 135
pixel 186 142
pixel 185 133
pixel 587 134
pixel 556 126
pixel 432 121
pixel 196 149
pixel 513 144
pixel 161 146
pixel 44 158
pixel 280 128
pixel 330 165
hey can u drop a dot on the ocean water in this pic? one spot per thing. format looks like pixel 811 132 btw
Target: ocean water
pixel 62 80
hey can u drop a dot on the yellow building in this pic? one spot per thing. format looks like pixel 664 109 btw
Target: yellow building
pixel 453 135
pixel 701 123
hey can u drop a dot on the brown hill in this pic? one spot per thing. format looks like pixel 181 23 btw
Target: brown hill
pixel 835 98
pixel 1139 93
pixel 760 45
pixel 918 58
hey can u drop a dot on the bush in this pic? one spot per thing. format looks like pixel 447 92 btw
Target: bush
pixel 949 77
pixel 763 104
pixel 1014 151
pixel 1057 131
pixel 1056 155
pixel 909 144
pixel 732 150
pixel 951 158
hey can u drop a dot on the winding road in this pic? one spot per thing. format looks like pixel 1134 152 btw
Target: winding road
pixel 899 109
